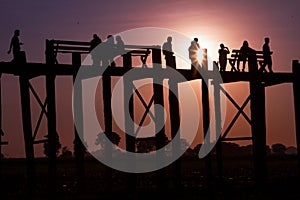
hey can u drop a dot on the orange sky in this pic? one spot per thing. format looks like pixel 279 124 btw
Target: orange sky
pixel 213 22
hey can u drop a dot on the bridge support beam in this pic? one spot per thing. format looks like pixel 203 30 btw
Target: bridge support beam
pixel 218 127
pixel 129 125
pixel 79 148
pixel 175 128
pixel 258 119
pixel 206 120
pixel 52 133
pixel 296 89
pixel 27 131
pixel 159 115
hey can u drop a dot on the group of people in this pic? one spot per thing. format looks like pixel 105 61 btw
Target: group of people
pixel 104 54
pixel 245 52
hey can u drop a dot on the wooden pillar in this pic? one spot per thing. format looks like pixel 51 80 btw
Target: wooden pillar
pixel 159 115
pixel 106 84
pixel 79 148
pixel 1 131
pixel 175 122
pixel 258 126
pixel 175 128
pixel 129 125
pixel 127 61
pixel 27 131
pixel 206 120
pixel 51 117
pixel 296 89
pixel 52 133
pixel 218 128
pixel 128 105
pixel 50 55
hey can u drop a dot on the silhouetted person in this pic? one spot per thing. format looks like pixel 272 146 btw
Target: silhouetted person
pixel 267 54
pixel 120 46
pixel 252 60
pixel 168 52
pixel 95 54
pixel 193 50
pixel 109 51
pixel 243 55
pixel 223 51
pixel 15 45
pixel 204 61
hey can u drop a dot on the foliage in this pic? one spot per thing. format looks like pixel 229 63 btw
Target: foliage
pixel 57 146
pixel 278 149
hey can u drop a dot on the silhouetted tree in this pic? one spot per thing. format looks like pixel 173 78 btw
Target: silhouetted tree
pixel 146 145
pixel 65 152
pixel 230 149
pixel 278 149
pixel 291 150
pixel 57 145
pixel 102 138
pixel 268 150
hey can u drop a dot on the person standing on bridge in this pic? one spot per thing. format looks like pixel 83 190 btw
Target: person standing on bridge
pixel 120 46
pixel 95 54
pixel 193 53
pixel 15 46
pixel 168 52
pixel 267 54
pixel 109 49
pixel 243 55
pixel 223 51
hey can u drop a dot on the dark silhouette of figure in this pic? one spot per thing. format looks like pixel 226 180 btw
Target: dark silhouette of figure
pixel 193 50
pixel 252 60
pixel 267 54
pixel 96 57
pixel 168 52
pixel 120 46
pixel 108 52
pixel 15 46
pixel 243 55
pixel 223 51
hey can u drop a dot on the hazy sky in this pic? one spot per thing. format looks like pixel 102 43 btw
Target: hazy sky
pixel 213 22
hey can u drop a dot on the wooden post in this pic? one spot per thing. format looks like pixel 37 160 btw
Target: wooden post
pixel 206 120
pixel 129 125
pixel 52 134
pixel 258 117
pixel 296 89
pixel 175 128
pixel 159 115
pixel 127 61
pixel 79 148
pixel 50 56
pixel 106 84
pixel 218 131
pixel 1 131
pixel 27 131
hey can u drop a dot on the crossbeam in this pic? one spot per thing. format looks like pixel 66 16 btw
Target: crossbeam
pixel 240 111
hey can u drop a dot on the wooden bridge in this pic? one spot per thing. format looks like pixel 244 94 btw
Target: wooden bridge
pixel 51 69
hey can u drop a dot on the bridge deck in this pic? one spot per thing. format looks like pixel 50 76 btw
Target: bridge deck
pixel 40 69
